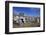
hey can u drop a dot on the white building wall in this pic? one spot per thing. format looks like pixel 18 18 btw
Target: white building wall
pixel 18 19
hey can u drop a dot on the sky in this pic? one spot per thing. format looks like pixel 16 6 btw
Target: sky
pixel 27 11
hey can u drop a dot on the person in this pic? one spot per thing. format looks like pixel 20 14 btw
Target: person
pixel 22 20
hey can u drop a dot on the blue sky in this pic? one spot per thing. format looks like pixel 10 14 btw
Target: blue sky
pixel 27 11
